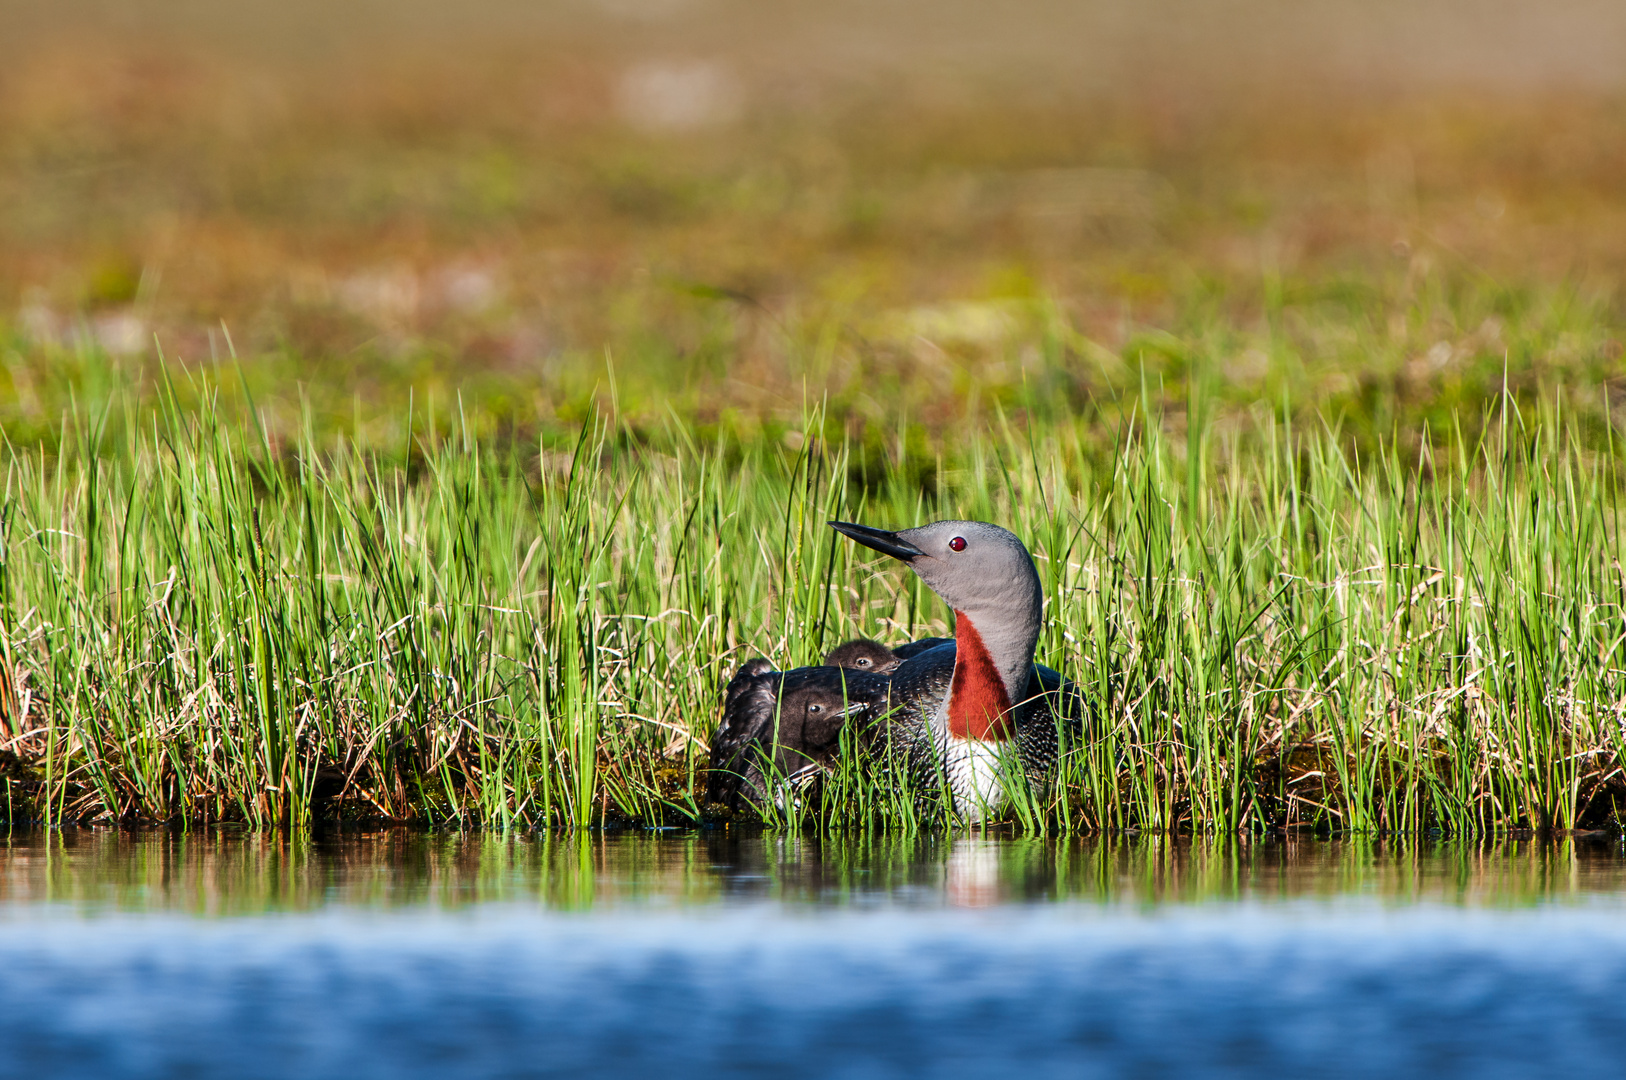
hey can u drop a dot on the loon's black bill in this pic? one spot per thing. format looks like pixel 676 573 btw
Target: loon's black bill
pixel 885 542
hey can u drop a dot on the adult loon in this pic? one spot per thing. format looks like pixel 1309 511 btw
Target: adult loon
pixel 961 711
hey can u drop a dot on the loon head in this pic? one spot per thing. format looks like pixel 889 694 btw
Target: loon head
pixel 986 575
pixel 980 570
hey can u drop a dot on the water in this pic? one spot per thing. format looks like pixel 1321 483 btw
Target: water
pixel 689 954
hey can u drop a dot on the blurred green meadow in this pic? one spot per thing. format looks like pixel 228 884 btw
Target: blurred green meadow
pixel 424 425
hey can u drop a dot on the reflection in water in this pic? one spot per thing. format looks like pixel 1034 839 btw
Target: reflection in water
pixel 226 873
pixel 972 873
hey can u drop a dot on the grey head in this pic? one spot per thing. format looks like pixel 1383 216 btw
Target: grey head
pixel 977 568
pixel 980 570
pixel 862 654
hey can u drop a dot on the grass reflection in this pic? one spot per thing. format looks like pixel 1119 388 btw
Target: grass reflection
pixel 227 873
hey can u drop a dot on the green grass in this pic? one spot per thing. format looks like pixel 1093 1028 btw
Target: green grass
pixel 1305 397
pixel 1276 626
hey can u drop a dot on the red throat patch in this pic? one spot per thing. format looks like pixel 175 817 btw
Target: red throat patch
pixel 979 707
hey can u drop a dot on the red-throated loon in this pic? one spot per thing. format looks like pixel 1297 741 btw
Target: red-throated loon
pixel 961 709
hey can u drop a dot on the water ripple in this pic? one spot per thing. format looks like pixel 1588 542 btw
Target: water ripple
pixel 502 991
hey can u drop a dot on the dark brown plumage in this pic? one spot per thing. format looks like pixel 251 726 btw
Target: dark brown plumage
pixel 862 654
pixel 784 727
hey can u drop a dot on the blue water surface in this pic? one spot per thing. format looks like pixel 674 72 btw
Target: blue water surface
pixel 917 976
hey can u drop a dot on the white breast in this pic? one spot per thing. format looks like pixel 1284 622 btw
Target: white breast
pixel 974 768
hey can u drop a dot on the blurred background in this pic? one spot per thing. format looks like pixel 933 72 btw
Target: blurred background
pixel 724 211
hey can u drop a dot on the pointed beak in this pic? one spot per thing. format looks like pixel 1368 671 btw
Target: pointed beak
pixel 887 543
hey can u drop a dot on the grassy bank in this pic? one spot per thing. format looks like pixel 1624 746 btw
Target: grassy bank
pixel 1277 628
pixel 496 425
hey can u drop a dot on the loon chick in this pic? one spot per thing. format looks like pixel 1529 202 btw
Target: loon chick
pixel 862 654
pixel 783 728
pixel 963 708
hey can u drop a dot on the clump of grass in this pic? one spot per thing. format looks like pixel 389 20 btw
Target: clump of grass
pixel 205 628
pixel 1271 630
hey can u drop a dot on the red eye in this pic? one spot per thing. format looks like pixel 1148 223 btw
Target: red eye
pixel 957 544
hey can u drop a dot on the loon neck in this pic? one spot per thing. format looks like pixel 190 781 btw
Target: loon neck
pixel 985 682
